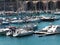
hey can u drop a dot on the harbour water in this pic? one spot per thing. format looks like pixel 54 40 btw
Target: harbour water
pixel 33 39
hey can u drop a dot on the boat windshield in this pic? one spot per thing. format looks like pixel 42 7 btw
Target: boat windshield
pixel 44 30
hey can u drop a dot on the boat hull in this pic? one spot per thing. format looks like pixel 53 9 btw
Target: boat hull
pixel 3 33
pixel 23 34
pixel 47 19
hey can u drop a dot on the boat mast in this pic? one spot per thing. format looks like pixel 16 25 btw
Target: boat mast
pixel 17 9
pixel 52 10
pixel 55 7
pixel 18 12
pixel 12 6
pixel 39 7
pixel 35 7
pixel 47 7
pixel 4 6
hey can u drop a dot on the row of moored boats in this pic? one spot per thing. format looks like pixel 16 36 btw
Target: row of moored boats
pixel 27 19
pixel 30 29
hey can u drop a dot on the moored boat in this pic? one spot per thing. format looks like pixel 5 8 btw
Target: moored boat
pixel 51 18
pixel 30 26
pixel 22 32
pixel 33 19
pixel 16 21
pixel 49 30
pixel 57 13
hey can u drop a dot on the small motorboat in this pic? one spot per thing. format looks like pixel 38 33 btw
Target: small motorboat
pixel 22 32
pixel 1 18
pixel 49 30
pixel 16 21
pixel 30 26
pixel 5 23
pixel 57 13
pixel 15 18
pixel 51 18
pixel 33 19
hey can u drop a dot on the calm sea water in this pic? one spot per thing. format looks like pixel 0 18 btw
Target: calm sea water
pixel 32 39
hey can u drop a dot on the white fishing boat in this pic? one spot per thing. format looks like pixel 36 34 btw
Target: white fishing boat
pixel 57 13
pixel 49 30
pixel 22 32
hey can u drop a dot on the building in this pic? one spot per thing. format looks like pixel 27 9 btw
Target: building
pixel 8 5
pixel 29 5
